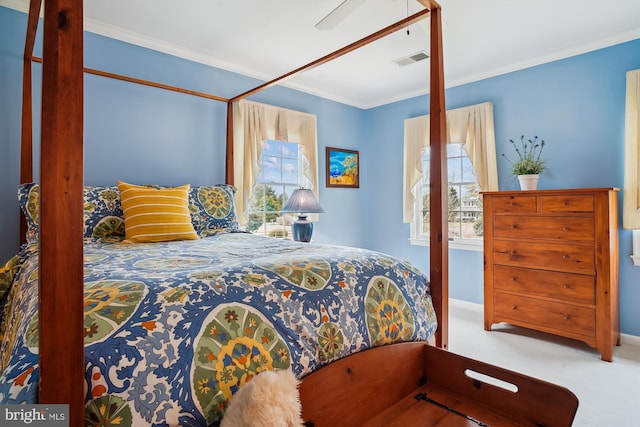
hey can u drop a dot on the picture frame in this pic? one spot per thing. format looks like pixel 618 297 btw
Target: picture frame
pixel 342 168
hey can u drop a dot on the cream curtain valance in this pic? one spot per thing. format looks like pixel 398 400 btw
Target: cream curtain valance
pixel 631 206
pixel 253 124
pixel 473 127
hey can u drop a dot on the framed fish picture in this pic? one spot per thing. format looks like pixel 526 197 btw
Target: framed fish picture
pixel 343 168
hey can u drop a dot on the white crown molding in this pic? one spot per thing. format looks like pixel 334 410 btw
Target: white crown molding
pixel 567 53
pixel 137 39
pixel 22 6
pixel 127 36
pixel 132 37
pixel 117 33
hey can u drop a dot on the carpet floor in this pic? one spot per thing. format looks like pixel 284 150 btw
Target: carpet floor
pixel 609 393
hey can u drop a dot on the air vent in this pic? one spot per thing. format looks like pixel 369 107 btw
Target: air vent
pixel 411 59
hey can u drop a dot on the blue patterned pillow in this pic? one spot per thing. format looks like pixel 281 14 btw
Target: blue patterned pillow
pixel 103 217
pixel 29 200
pixel 213 209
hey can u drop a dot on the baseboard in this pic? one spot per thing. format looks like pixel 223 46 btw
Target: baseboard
pixel 466 304
pixel 624 338
pixel 630 339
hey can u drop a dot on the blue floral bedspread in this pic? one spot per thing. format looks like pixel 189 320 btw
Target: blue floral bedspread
pixel 173 329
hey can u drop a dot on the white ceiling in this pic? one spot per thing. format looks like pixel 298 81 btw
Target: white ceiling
pixel 265 39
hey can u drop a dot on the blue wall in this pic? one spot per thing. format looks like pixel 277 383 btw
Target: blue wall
pixel 11 25
pixel 576 105
pixel 147 135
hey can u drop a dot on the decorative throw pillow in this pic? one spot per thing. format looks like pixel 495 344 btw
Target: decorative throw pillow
pixel 103 217
pixel 213 209
pixel 156 214
pixel 29 201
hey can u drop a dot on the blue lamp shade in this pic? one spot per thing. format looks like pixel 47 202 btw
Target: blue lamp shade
pixel 302 202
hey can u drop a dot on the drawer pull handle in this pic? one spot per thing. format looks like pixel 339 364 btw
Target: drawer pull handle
pixel 567 317
pixel 515 307
pixel 514 279
pixel 564 228
pixel 565 256
pixel 514 226
pixel 566 286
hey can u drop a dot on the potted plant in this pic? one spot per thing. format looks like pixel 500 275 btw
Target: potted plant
pixel 529 165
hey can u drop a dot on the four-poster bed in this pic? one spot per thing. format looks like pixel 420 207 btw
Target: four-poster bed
pixel 327 394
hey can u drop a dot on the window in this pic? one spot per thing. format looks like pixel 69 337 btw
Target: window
pixel 268 166
pixel 281 164
pixel 631 206
pixel 464 206
pixel 470 170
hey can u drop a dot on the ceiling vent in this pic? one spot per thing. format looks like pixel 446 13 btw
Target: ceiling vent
pixel 411 59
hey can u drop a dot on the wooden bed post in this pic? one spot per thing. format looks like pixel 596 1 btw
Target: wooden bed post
pixel 439 242
pixel 26 142
pixel 61 215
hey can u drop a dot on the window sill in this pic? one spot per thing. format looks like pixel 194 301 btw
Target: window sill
pixel 476 245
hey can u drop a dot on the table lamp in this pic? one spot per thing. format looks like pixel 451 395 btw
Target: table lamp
pixel 302 202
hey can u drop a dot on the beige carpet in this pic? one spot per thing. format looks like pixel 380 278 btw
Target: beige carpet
pixel 609 393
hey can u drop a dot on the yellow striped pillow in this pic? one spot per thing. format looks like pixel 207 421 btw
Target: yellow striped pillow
pixel 156 214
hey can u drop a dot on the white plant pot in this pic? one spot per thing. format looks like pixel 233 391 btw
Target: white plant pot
pixel 528 182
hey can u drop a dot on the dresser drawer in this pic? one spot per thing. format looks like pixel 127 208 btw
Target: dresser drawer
pixel 515 204
pixel 541 227
pixel 576 288
pixel 561 257
pixel 547 314
pixel 567 203
pixel 551 263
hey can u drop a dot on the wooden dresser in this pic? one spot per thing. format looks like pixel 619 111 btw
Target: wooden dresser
pixel 551 263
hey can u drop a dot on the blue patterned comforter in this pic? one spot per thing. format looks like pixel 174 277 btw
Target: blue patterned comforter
pixel 173 329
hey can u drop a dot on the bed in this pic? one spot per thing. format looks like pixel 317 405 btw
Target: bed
pixel 173 329
pixel 62 373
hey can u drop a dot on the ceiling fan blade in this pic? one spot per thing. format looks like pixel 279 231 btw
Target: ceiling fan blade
pixel 336 16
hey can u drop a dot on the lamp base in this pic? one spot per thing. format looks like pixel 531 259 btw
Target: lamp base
pixel 302 229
